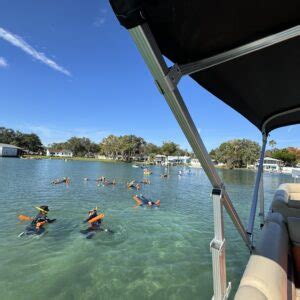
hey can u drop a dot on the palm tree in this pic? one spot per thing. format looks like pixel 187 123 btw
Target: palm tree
pixel 272 143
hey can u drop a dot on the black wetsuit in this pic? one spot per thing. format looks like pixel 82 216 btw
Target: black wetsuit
pixel 94 225
pixel 146 201
pixel 90 231
pixel 40 217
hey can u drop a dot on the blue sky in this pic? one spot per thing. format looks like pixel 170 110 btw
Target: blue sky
pixel 68 68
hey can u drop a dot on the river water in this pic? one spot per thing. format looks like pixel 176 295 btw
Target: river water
pixel 160 253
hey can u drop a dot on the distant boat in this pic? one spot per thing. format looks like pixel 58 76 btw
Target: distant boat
pixel 195 163
pixel 135 166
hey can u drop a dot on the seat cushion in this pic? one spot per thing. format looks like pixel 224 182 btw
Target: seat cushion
pixel 287 200
pixel 266 271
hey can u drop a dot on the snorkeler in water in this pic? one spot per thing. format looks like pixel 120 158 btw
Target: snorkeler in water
pixel 37 224
pixel 94 221
pixel 143 201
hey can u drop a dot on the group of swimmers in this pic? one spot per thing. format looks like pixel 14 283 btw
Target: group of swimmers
pixel 137 185
pixel 37 224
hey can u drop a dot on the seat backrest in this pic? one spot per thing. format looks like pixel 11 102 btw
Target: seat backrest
pixel 265 276
pixel 287 200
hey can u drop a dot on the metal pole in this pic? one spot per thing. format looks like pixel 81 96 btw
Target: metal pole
pixel 262 201
pixel 257 184
pixel 155 62
pixel 260 44
pixel 217 247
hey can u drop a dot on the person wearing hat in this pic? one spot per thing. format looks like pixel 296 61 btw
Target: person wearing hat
pixel 36 226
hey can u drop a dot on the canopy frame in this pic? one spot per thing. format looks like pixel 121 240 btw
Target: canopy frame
pixel 133 17
pixel 152 56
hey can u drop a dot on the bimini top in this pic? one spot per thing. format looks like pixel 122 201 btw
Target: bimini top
pixel 264 85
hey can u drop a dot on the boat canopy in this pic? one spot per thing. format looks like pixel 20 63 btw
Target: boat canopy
pixel 245 53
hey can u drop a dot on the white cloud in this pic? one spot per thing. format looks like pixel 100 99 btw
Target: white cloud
pixel 20 43
pixel 3 62
pixel 101 19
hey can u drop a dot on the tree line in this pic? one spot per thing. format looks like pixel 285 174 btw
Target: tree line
pixel 122 147
pixel 28 141
pixel 239 153
pixel 235 153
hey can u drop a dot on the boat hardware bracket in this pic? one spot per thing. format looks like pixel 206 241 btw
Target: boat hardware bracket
pixel 170 80
pixel 217 245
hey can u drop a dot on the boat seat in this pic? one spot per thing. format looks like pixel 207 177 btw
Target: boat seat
pixel 294 232
pixel 287 200
pixel 265 276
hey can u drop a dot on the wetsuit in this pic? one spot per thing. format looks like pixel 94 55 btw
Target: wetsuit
pixel 33 228
pixel 94 225
pixel 146 201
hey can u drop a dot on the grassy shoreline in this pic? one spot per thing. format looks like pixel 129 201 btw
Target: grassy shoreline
pixel 71 158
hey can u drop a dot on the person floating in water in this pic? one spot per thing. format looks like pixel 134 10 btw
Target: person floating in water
pixel 63 180
pixel 145 181
pixel 107 182
pixel 37 223
pixel 94 225
pixel 133 185
pixel 94 221
pixel 101 179
pixel 143 201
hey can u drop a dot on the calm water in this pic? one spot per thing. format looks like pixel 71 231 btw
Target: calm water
pixel 154 254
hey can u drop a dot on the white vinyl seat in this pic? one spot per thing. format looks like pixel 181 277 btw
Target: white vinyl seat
pixel 287 200
pixel 265 276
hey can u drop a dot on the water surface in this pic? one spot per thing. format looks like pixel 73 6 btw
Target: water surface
pixel 154 254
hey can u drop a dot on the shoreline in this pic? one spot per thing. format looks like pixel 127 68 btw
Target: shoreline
pixel 89 159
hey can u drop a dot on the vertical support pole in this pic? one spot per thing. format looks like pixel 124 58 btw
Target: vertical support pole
pixel 217 247
pixel 262 201
pixel 257 184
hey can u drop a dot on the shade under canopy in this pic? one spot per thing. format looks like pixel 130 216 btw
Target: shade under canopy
pixel 259 85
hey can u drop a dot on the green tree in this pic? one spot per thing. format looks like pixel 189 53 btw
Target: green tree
pixel 30 142
pixel 151 149
pixel 289 158
pixel 169 148
pixel 272 143
pixel 237 153
pixel 27 141
pixel 110 146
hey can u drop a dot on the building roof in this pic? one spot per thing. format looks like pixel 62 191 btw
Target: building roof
pixel 10 146
pixel 263 85
pixel 160 156
pixel 273 159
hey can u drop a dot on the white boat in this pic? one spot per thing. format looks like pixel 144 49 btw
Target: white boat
pixel 135 166
pixel 247 55
pixel 195 163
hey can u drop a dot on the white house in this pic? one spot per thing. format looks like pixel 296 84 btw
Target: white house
pixel 7 150
pixel 59 153
pixel 160 159
pixel 176 160
pixel 271 164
